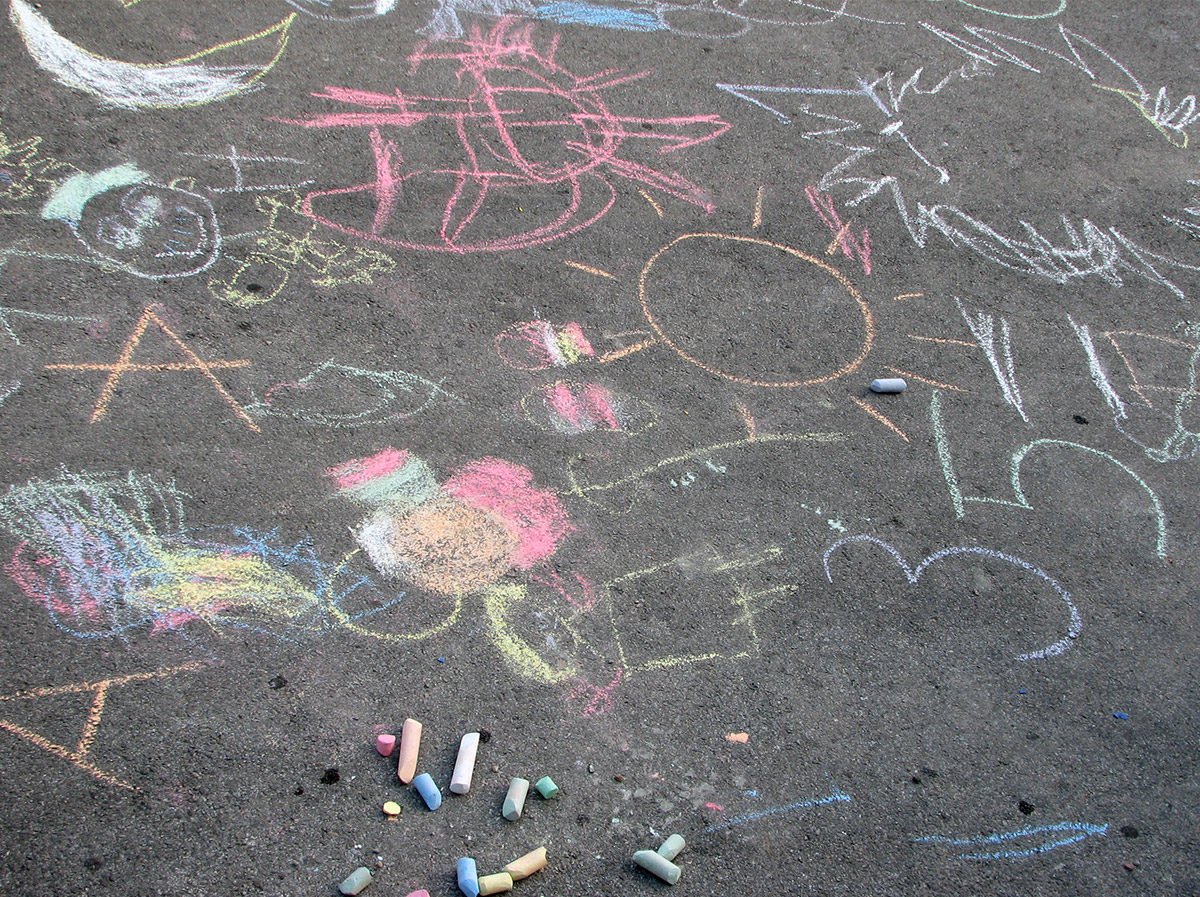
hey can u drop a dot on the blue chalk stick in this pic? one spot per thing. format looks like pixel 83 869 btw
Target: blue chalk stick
pixel 468 877
pixel 428 790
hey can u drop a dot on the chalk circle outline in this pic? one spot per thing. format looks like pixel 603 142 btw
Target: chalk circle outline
pixel 863 307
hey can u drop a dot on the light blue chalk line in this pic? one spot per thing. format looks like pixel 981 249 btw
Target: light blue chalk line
pixel 1081 830
pixel 574 12
pixel 838 796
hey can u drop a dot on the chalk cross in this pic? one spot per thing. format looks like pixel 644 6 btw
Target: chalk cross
pixel 79 756
pixel 125 365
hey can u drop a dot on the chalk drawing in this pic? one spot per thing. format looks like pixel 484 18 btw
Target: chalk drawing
pixel 125 365
pixel 1074 625
pixel 573 408
pixel 837 796
pixel 130 222
pixel 26 172
pixel 878 415
pixel 1000 357
pixel 995 48
pixel 340 396
pixel 633 484
pixel 685 18
pixel 704 248
pixel 867 125
pixel 856 247
pixel 500 161
pixel 287 243
pixel 538 345
pixel 343 10
pixel 239 162
pixel 8 389
pixel 992 847
pixel 81 755
pixel 7 314
pixel 485 519
pixel 1182 442
pixel 194 80
pixel 959 499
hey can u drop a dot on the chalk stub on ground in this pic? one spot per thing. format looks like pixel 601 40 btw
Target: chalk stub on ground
pixel 525 866
pixel 468 877
pixel 657 865
pixel 385 744
pixel 355 881
pixel 391 808
pixel 410 746
pixel 514 801
pixel 546 788
pixel 428 789
pixel 464 765
pixel 497 883
pixel 889 384
pixel 672 847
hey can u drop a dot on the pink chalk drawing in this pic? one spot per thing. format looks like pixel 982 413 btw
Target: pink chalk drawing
pixel 856 247
pixel 539 147
pixel 538 345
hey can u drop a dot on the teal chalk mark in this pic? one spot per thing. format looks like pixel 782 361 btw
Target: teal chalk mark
pixel 68 199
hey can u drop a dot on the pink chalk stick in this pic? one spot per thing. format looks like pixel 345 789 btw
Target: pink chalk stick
pixel 420 893
pixel 410 745
pixel 385 744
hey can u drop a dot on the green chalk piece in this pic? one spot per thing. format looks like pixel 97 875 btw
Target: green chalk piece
pixel 657 865
pixel 514 801
pixel 546 788
pixel 671 848
pixel 355 881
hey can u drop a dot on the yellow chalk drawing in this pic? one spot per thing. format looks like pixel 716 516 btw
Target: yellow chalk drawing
pixel 26 174
pixel 499 603
pixel 80 756
pixel 288 244
pixel 124 365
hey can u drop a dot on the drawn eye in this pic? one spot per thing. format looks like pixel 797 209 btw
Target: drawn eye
pixel 110 230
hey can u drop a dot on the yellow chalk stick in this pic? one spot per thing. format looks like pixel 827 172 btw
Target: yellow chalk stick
pixel 523 867
pixel 495 884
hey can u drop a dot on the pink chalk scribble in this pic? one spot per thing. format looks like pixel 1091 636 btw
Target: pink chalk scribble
pixel 596 699
pixel 538 345
pixel 536 517
pixel 527 127
pixel 854 247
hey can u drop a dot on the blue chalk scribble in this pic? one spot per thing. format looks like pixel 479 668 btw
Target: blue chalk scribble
pixel 1074 832
pixel 837 796
pixel 575 12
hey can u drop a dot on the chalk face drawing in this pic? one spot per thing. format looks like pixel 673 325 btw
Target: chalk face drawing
pixel 340 396
pixel 531 134
pixel 126 220
pixel 106 555
pixel 205 77
pixel 288 244
pixel 1074 623
pixel 457 537
pixel 866 123
pixel 791 279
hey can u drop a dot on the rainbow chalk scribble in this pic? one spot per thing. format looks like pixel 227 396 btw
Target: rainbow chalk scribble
pixel 575 408
pixel 538 345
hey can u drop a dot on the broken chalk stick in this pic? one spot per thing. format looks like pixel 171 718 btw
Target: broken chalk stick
pixel 468 877
pixel 495 884
pixel 410 745
pixel 385 744
pixel 653 863
pixel 514 801
pixel 523 867
pixel 391 808
pixel 428 790
pixel 546 788
pixel 464 766
pixel 355 881
pixel 889 384
pixel 672 847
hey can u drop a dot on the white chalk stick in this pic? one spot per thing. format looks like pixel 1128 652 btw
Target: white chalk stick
pixel 889 384
pixel 464 766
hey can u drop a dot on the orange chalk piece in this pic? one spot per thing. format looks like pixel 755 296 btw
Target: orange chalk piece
pixel 410 746
pixel 738 738
pixel 523 867
pixel 385 744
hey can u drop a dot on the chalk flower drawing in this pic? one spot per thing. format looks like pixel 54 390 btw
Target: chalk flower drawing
pixel 865 121
pixel 532 136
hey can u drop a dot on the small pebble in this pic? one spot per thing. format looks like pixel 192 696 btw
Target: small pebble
pixel 657 865
pixel 355 881
pixel 391 808
pixel 1120 715
pixel 618 778
pixel 1128 867
pixel 498 883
